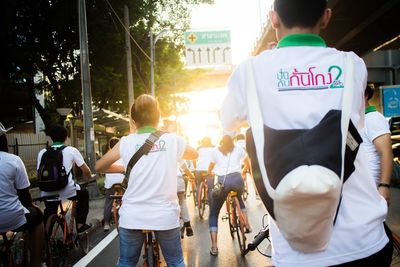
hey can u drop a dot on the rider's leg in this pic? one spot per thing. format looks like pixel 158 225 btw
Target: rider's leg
pixel 108 203
pixel 185 213
pixel 130 246
pixel 82 206
pixel 215 207
pixel 170 243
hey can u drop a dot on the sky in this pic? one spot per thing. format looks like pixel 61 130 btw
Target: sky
pixel 244 18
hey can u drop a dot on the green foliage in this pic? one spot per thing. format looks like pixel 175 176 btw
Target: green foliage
pixel 42 41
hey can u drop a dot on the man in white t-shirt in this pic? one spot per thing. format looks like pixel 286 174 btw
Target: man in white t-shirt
pixel 71 156
pixel 378 144
pixel 297 84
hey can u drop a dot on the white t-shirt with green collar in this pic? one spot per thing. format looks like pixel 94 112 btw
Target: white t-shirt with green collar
pixel 297 84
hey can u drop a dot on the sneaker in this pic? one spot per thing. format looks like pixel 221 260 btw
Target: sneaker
pixel 84 228
pixel 214 251
pixel 189 231
pixel 106 227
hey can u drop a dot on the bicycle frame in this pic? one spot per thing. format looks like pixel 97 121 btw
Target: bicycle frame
pixel 151 250
pixel 236 220
pixel 6 247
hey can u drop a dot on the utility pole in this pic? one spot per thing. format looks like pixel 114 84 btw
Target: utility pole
pixel 88 128
pixel 131 92
pixel 152 64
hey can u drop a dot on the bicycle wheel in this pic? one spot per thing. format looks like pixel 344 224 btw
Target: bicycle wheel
pixel 57 241
pixel 194 193
pixel 115 209
pixel 396 250
pixel 202 197
pixel 47 253
pixel 246 190
pixel 230 217
pixel 239 225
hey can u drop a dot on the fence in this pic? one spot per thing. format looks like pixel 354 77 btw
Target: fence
pixel 27 147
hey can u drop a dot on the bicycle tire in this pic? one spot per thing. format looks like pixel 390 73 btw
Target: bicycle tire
pixel 47 253
pixel 230 217
pixel 202 199
pixel 83 243
pixel 239 227
pixel 246 190
pixel 57 244
pixel 194 193
pixel 396 250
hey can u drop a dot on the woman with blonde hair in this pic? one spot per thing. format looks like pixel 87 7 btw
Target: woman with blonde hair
pixel 150 201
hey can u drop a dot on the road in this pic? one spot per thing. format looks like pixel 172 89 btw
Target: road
pixel 196 248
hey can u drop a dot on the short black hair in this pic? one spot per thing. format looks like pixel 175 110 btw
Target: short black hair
pixel 3 143
pixel 113 141
pixel 58 133
pixel 369 92
pixel 300 13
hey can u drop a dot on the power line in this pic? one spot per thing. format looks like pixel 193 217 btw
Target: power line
pixel 127 30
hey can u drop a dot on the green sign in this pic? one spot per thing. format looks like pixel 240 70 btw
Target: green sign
pixel 208 37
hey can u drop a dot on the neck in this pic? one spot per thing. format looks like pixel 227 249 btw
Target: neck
pixel 283 31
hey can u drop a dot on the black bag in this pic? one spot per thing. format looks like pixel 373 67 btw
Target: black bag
pixel 51 174
pixel 217 190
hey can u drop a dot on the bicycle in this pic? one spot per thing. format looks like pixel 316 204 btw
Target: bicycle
pixel 236 220
pixel 151 253
pixel 202 194
pixel 261 236
pixel 245 194
pixel 63 235
pixel 193 191
pixel 117 202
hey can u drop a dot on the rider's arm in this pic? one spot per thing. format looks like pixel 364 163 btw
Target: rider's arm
pixel 24 197
pixel 86 171
pixel 105 164
pixel 210 168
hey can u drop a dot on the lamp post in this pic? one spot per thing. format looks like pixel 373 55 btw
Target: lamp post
pixel 153 41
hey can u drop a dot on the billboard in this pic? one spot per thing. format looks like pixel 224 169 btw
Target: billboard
pixel 390 100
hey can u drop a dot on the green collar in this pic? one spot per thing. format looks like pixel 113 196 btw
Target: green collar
pixel 146 129
pixel 370 109
pixel 57 144
pixel 303 39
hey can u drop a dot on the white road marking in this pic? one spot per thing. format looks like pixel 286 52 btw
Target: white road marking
pixel 97 249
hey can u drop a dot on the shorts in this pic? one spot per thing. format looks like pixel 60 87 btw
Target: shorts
pixel 33 219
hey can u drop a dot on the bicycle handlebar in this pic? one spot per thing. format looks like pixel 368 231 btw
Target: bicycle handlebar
pixel 41 199
pixel 263 234
pixel 85 183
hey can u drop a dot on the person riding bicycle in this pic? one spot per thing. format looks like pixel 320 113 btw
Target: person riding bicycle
pixel 205 151
pixel 150 201
pixel 226 160
pixel 289 104
pixel 17 212
pixel 183 169
pixel 71 156
pixel 109 181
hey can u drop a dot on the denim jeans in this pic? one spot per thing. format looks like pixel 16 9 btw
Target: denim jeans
pixel 131 243
pixel 233 182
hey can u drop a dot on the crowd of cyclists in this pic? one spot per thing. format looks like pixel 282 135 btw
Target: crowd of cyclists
pixel 280 109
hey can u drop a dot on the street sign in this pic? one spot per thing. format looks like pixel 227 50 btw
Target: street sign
pixel 205 48
pixel 390 99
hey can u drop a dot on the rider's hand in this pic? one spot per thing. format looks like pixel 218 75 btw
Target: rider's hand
pixel 385 192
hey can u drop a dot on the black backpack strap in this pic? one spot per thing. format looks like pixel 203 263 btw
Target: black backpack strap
pixel 143 150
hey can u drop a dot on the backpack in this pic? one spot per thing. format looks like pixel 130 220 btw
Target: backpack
pixel 51 174
pixel 299 173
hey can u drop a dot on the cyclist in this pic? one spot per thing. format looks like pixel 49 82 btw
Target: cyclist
pixel 110 180
pixel 205 151
pixel 183 169
pixel 150 201
pixel 71 155
pixel 17 212
pixel 227 163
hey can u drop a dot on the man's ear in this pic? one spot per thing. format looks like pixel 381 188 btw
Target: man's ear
pixel 326 17
pixel 274 18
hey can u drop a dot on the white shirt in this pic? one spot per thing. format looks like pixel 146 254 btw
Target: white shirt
pixel 375 125
pixel 230 163
pixel 13 176
pixel 150 201
pixel 204 159
pixel 358 231
pixel 71 155
pixel 114 178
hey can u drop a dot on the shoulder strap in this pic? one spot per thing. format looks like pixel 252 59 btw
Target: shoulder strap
pixel 143 150
pixel 257 124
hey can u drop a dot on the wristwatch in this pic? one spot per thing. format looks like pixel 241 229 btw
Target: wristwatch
pixel 384 185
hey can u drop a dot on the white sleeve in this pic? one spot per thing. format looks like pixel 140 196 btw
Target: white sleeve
pixel 77 156
pixel 376 125
pixel 21 177
pixel 234 109
pixel 360 83
pixel 39 158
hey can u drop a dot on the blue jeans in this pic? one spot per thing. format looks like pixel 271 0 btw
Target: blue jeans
pixel 233 182
pixel 131 243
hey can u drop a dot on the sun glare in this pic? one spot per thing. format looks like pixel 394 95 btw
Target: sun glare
pixel 201 118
